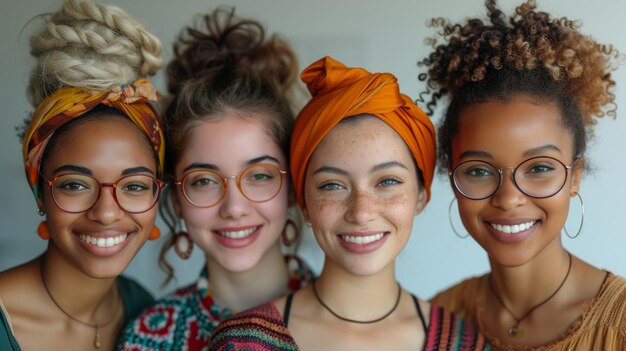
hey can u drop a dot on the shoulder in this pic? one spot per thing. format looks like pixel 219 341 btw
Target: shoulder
pixel 7 339
pixel 446 328
pixel 21 290
pixel 610 305
pixel 134 297
pixel 259 328
pixel 460 298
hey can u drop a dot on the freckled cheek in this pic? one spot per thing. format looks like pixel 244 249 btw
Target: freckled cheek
pixel 318 205
pixel 400 207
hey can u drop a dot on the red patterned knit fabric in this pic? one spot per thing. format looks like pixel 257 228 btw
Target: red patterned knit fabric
pixel 262 329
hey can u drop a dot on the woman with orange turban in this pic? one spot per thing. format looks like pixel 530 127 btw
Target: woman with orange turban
pixel 362 161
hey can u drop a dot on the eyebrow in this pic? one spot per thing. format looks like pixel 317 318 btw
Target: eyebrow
pixel 87 171
pixel 542 149
pixel 474 154
pixel 378 167
pixel 528 153
pixel 213 167
pixel 135 170
pixel 73 169
pixel 387 165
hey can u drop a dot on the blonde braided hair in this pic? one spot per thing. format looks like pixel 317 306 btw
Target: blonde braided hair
pixel 92 46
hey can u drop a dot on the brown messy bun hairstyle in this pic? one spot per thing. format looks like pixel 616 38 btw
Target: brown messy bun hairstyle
pixel 226 63
pixel 529 53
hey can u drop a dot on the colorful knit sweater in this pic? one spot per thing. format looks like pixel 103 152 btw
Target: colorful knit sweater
pixel 185 319
pixel 263 329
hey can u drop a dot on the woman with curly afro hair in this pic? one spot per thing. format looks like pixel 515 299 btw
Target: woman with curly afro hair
pixel 524 94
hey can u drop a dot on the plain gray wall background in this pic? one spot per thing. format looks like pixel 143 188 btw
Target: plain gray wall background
pixel 379 36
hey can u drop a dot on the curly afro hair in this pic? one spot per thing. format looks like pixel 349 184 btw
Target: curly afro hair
pixel 527 53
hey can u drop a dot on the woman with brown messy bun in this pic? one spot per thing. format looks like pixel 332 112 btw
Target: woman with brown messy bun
pixel 229 123
pixel 93 153
pixel 524 94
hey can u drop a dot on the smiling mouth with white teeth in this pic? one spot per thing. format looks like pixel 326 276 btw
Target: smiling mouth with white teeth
pixel 512 229
pixel 362 239
pixel 237 234
pixel 103 242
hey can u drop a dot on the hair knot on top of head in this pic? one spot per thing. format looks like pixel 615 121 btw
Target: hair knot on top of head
pixel 526 41
pixel 526 53
pixel 92 46
pixel 88 56
pixel 340 92
pixel 224 47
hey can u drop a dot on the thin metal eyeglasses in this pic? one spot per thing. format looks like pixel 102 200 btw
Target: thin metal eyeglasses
pixel 538 177
pixel 76 193
pixel 258 183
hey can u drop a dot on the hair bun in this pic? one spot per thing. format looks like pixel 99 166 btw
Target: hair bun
pixel 93 46
pixel 222 45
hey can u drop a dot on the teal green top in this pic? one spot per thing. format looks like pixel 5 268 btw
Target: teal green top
pixel 134 299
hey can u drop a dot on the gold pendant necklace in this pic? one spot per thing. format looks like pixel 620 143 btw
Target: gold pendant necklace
pixel 516 331
pixel 97 342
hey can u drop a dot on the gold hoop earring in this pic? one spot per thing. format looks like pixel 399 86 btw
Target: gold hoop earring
pixel 450 220
pixel 582 219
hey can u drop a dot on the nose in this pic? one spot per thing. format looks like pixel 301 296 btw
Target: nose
pixel 508 195
pixel 361 208
pixel 234 204
pixel 106 210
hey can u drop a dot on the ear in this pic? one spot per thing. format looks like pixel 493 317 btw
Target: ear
pixel 577 176
pixel 421 201
pixel 40 204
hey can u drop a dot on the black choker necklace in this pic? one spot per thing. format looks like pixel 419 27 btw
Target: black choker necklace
pixel 319 299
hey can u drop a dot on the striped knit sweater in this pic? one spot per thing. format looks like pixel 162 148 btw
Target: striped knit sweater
pixel 262 329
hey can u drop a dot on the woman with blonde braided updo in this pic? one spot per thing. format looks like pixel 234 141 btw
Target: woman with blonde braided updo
pixel 93 154
pixel 525 92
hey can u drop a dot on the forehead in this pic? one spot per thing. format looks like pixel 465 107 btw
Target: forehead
pixel 364 140
pixel 508 130
pixel 230 139
pixel 104 142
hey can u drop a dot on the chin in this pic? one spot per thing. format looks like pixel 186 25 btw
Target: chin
pixel 239 263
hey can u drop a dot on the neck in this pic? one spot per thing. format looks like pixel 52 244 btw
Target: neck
pixel 93 303
pixel 357 297
pixel 239 291
pixel 521 288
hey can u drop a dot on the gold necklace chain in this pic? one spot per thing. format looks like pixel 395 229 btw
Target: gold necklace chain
pixel 516 330
pixel 319 299
pixel 97 342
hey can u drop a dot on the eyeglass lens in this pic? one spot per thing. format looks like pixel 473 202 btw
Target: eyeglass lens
pixel 78 193
pixel 257 183
pixel 536 177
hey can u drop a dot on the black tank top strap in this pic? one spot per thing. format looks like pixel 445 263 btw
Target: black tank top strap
pixel 287 309
pixel 420 314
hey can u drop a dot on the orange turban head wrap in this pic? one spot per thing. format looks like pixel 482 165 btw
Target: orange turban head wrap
pixel 340 92
pixel 69 103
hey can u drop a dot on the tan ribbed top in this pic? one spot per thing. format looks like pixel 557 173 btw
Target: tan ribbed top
pixel 602 325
